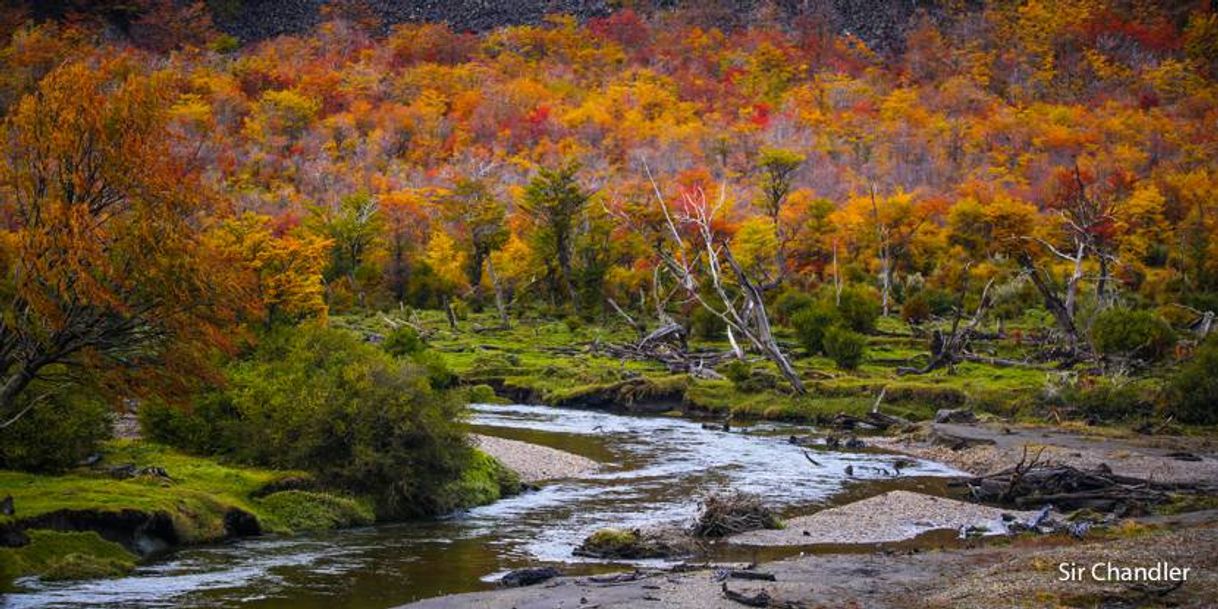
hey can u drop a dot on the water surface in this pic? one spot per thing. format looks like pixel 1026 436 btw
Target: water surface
pixel 655 469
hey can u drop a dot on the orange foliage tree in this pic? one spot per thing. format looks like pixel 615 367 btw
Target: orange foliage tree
pixel 102 217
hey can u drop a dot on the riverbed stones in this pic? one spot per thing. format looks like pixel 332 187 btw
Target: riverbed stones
pixel 534 463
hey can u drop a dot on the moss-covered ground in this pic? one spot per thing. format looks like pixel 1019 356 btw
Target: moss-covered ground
pixel 554 362
pixel 196 498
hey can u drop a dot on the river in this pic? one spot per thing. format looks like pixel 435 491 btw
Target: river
pixel 655 469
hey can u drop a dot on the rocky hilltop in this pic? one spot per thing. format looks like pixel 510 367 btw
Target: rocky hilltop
pixel 880 23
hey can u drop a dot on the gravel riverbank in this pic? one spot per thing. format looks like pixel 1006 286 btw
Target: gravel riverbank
pixel 533 462
pixel 1023 574
pixel 893 516
pixel 1161 459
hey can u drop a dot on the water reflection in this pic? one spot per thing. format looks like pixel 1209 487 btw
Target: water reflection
pixel 655 468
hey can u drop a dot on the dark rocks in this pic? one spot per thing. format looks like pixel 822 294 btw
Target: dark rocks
pixel 130 470
pixel 850 443
pixel 881 24
pixel 955 415
pixel 144 533
pixel 6 506
pixel 240 523
pixel 123 472
pixel 528 577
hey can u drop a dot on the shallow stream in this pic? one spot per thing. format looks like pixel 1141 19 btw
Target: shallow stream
pixel 655 470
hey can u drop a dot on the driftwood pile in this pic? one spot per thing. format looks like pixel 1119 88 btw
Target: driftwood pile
pixel 874 419
pixel 728 514
pixel 668 346
pixel 1034 483
pixel 760 598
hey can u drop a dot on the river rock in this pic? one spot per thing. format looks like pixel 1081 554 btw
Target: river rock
pixel 955 415
pixel 632 544
pixel 528 577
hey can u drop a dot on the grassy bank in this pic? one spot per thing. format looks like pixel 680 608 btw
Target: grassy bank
pixel 201 501
pixel 555 363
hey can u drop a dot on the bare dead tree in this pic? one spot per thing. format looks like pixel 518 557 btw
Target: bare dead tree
pixel 948 349
pixel 706 262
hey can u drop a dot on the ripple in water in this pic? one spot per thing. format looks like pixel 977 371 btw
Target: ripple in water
pixel 658 469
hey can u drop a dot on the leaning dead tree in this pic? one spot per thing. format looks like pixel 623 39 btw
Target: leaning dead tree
pixel 706 272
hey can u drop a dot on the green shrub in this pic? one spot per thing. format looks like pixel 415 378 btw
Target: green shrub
pixel 460 309
pixel 481 394
pixel 1103 401
pixel 916 309
pixel 810 324
pixel 859 308
pixel 403 341
pixel 845 347
pixel 439 375
pixel 736 371
pixel 312 511
pixel 320 400
pixel 705 325
pixel 1127 333
pixel 56 433
pixel 196 429
pixel 1193 392
pixel 790 302
pixel 486 480
pixel 574 323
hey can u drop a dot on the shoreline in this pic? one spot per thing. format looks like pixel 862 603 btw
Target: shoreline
pixel 860 550
pixel 968 578
pixel 533 462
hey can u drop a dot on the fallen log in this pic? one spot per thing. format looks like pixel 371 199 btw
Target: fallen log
pixel 528 577
pixel 761 598
pixel 957 442
pixel 751 575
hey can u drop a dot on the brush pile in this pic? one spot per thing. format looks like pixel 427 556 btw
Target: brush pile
pixel 728 514
pixel 1035 483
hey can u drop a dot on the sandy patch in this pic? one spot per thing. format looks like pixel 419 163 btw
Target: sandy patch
pixel 893 516
pixel 533 462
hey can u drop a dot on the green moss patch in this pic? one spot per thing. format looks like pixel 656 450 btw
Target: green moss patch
pixel 485 481
pixel 64 555
pixel 200 493
pixel 296 511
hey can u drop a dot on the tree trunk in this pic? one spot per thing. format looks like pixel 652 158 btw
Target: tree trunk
pixel 499 306
pixel 448 311
pixel 1061 312
pixel 763 333
pixel 885 279
pixel 1101 284
pixel 837 279
pixel 564 265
